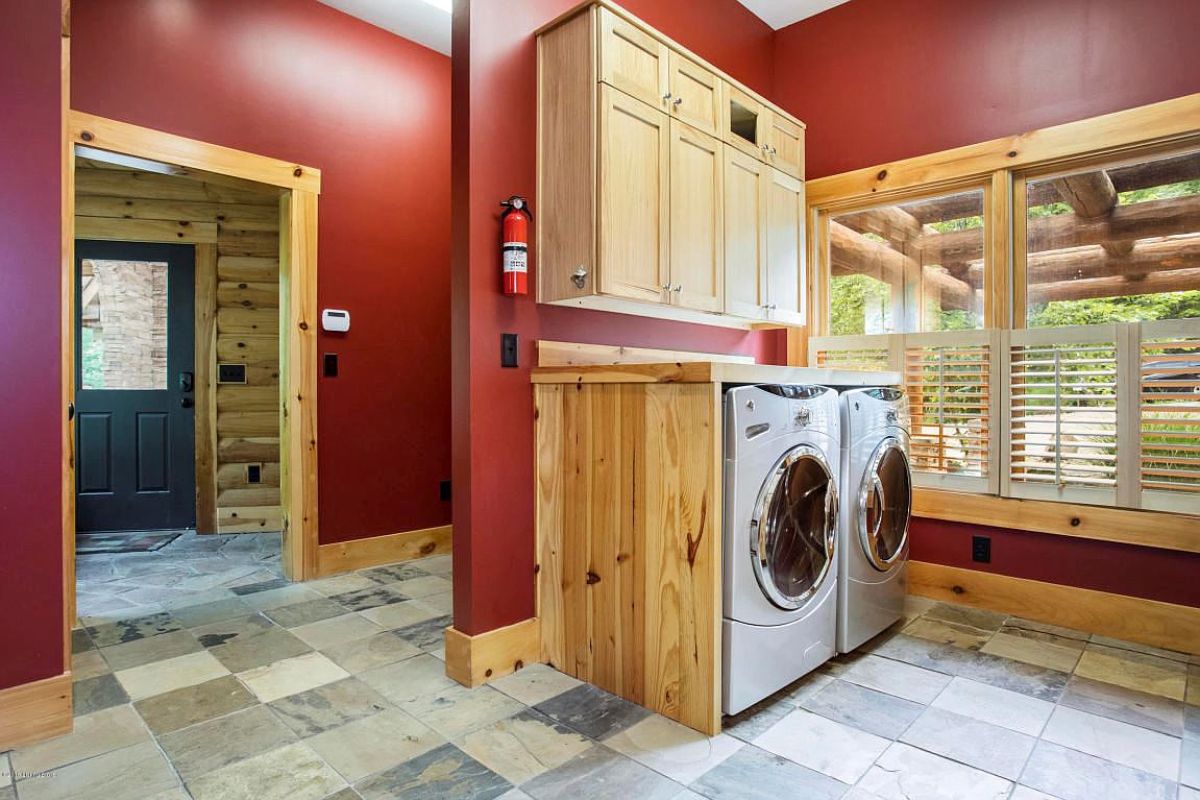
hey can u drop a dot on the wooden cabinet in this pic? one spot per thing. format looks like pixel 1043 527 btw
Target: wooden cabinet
pixel 636 141
pixel 785 248
pixel 694 94
pixel 745 232
pixel 697 254
pixel 635 153
pixel 632 60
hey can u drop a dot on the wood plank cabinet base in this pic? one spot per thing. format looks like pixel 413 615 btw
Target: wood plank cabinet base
pixel 35 711
pixel 1133 619
pixel 475 660
pixel 377 550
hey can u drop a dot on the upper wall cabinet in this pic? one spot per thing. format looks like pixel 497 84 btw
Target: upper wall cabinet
pixel 665 188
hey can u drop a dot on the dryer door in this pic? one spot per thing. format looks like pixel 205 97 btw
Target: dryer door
pixel 885 504
pixel 794 528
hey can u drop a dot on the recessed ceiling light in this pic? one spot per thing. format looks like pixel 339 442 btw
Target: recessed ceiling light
pixel 444 5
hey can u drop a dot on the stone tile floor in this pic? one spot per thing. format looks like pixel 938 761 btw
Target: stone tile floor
pixel 335 689
pixel 191 570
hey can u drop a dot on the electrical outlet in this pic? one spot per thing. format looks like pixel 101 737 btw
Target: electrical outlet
pixel 981 549
pixel 508 350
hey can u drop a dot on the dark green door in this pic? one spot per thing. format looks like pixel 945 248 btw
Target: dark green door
pixel 134 346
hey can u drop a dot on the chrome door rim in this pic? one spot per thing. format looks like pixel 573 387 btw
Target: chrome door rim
pixel 872 483
pixel 758 531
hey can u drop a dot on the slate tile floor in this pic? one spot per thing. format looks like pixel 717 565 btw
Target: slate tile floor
pixel 335 689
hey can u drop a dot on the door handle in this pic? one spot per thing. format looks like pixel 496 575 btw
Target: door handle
pixel 186 402
pixel 70 411
pixel 186 381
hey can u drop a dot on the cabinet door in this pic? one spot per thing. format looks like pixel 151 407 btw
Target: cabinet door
pixel 632 60
pixel 785 248
pixel 695 94
pixel 634 192
pixel 744 122
pixel 697 252
pixel 785 145
pixel 746 182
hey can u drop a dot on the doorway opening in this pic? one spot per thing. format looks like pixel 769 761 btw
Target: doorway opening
pixel 189 283
pixel 177 365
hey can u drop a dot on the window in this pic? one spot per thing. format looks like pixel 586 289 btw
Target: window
pixel 911 267
pixel 123 330
pixel 1114 243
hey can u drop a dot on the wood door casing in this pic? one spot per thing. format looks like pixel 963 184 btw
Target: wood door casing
pixel 785 247
pixel 634 197
pixel 697 254
pixel 632 60
pixel 695 94
pixel 746 185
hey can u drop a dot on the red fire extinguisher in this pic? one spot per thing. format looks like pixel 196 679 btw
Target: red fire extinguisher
pixel 515 248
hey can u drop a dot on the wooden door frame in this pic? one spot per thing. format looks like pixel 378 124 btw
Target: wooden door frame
pixel 300 187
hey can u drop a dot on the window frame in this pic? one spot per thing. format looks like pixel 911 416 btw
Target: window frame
pixel 1004 167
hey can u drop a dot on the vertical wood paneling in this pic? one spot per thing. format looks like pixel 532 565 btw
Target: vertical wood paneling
pixel 629 511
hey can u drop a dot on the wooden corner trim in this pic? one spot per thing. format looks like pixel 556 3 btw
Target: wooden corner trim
pixel 122 137
pixel 1133 619
pixel 1160 529
pixel 388 549
pixel 476 660
pixel 35 711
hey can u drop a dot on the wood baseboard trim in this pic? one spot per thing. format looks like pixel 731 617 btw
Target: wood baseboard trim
pixel 1133 619
pixel 35 711
pixel 371 552
pixel 475 660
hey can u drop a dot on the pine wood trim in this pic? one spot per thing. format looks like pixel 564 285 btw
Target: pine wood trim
pixel 1134 619
pixel 377 550
pixel 1111 133
pixel 145 230
pixel 67 338
pixel 566 354
pixel 476 660
pixel 1165 530
pixel 205 388
pixel 35 711
pixel 121 137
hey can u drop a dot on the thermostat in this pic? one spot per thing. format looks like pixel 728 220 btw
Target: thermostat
pixel 335 320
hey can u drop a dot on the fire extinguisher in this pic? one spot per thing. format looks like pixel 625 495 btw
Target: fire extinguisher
pixel 515 248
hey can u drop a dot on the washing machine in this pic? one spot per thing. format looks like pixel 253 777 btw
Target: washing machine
pixel 782 450
pixel 876 504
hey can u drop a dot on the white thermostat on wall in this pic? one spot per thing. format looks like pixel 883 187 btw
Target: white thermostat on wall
pixel 335 320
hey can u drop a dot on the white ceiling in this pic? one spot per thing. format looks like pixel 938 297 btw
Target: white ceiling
pixel 781 13
pixel 425 22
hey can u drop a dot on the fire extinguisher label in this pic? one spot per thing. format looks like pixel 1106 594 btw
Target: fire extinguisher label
pixel 516 257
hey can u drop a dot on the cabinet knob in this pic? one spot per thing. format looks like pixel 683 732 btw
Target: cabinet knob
pixel 667 97
pixel 579 276
pixel 666 287
pixel 678 288
pixel 677 101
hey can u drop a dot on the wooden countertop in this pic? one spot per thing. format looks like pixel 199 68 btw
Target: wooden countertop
pixel 710 372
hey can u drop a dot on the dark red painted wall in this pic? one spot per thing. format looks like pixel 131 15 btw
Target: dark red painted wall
pixel 1164 575
pixel 494 107
pixel 878 80
pixel 30 473
pixel 297 80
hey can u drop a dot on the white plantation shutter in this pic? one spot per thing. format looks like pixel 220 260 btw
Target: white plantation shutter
pixel 1062 421
pixel 949 381
pixel 868 352
pixel 1168 383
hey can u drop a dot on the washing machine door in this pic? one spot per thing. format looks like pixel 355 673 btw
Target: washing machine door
pixel 793 531
pixel 885 504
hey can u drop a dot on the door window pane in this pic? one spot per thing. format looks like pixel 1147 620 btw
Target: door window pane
pixel 908 268
pixel 123 325
pixel 797 522
pixel 1115 244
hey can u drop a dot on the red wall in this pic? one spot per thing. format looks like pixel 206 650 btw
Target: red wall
pixel 494 157
pixel 30 473
pixel 878 80
pixel 299 81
